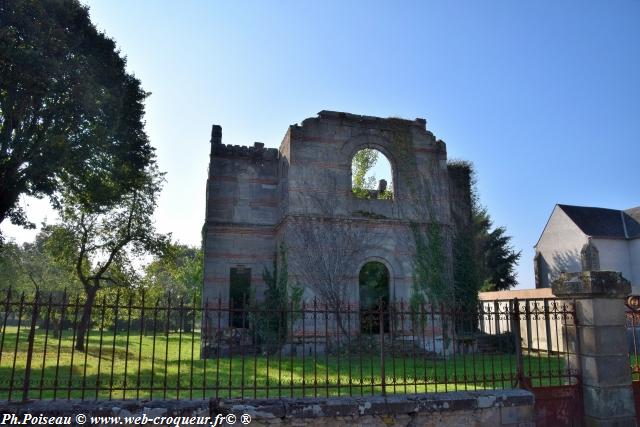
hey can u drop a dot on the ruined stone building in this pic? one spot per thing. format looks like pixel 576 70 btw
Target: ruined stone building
pixel 299 197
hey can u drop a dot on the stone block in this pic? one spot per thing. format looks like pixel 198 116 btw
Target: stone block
pixel 601 312
pixel 618 422
pixel 454 419
pixel 604 371
pixel 525 413
pixel 605 284
pixel 488 417
pixel 569 337
pixel 603 340
pixel 608 402
pixel 486 401
pixel 515 415
pixel 514 397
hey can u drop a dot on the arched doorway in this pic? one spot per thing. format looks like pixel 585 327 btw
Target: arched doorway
pixel 374 297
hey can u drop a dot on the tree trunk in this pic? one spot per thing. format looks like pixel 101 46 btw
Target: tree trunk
pixel 9 192
pixel 85 320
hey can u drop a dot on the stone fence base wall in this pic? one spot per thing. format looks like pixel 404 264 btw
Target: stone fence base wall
pixel 482 408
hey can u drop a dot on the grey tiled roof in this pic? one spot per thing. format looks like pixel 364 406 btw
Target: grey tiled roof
pixel 602 222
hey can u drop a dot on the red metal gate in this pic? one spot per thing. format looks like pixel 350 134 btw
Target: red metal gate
pixel 559 406
pixel 542 328
pixel 633 344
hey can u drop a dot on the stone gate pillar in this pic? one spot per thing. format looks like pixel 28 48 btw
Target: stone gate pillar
pixel 600 345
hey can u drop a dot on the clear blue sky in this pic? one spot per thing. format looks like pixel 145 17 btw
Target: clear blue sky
pixel 543 96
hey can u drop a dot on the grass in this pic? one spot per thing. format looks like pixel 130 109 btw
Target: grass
pixel 165 367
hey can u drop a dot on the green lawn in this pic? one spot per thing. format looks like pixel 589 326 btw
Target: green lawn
pixel 170 367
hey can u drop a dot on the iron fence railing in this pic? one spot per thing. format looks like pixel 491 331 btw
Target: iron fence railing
pixel 169 349
pixel 632 312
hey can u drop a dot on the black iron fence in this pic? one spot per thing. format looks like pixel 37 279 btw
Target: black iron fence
pixel 169 349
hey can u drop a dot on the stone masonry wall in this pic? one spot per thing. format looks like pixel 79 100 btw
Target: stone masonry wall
pixel 242 213
pixel 259 197
pixel 495 408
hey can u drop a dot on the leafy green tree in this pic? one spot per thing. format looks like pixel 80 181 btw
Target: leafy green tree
pixel 101 245
pixel 177 273
pixel 9 265
pixel 498 258
pixel 362 163
pixel 70 115
pixel 31 268
pixel 176 276
pixel 483 256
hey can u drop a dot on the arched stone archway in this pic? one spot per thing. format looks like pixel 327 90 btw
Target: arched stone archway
pixel 381 145
pixel 373 286
pixel 371 175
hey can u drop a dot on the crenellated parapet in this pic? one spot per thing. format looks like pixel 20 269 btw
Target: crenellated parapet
pixel 257 151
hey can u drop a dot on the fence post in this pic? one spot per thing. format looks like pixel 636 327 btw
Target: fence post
pixel 600 344
pixel 32 333
pixel 515 314
pixel 381 328
pixel 547 326
pixel 496 311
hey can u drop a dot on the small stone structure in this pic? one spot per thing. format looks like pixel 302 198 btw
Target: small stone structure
pixel 599 345
pixel 300 196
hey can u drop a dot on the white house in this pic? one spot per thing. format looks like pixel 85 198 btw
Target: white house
pixel 578 238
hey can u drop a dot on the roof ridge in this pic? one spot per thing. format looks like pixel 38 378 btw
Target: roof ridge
pixel 624 225
pixel 591 207
pixel 601 222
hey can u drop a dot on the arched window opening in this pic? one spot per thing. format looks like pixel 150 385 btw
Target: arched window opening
pixel 374 298
pixel 371 175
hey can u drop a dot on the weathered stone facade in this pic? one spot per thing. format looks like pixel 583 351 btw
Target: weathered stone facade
pixel 258 197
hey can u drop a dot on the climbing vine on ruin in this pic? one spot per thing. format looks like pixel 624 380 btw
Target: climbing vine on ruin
pixel 429 277
pixel 280 298
pixel 466 280
pixel 429 282
pixel 465 272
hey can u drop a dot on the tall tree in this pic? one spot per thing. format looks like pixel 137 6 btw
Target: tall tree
pixel 31 267
pixel 484 258
pixel 177 273
pixel 362 163
pixel 102 245
pixel 9 265
pixel 70 115
pixel 498 258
